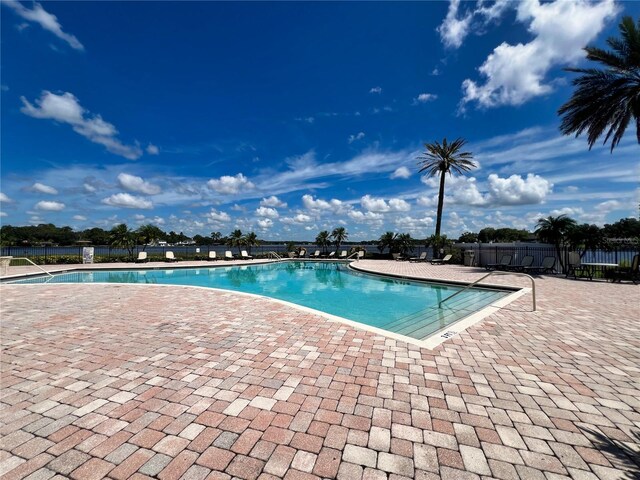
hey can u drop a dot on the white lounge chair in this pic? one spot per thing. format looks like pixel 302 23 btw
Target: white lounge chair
pixel 170 257
pixel 421 258
pixel 331 254
pixel 316 254
pixel 302 253
pixel 213 256
pixel 343 254
pixel 245 256
pixel 442 261
pixel 228 255
pixel 142 257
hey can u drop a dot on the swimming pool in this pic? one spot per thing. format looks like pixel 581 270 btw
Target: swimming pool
pixel 396 305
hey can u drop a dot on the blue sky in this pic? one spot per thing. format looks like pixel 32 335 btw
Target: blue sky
pixel 290 118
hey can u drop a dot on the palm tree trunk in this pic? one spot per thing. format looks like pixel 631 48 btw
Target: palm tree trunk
pixel 638 127
pixel 439 214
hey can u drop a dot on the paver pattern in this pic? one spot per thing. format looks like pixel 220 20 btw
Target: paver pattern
pixel 137 381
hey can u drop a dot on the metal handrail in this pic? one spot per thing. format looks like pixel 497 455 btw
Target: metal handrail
pixel 497 272
pixel 31 262
pixel 274 255
pixel 354 254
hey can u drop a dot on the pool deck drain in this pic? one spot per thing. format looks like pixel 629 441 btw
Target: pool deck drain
pixel 111 381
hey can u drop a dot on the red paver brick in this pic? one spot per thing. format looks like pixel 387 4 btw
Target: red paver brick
pixel 94 469
pixel 215 458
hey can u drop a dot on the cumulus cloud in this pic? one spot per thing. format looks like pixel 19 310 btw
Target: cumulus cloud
pixel 152 149
pixel 424 98
pixel 267 212
pixel 80 218
pixel 372 218
pixel 311 203
pixel 297 219
pixel 4 214
pixel 89 188
pixel 373 204
pixel 273 202
pixel 65 108
pixel 356 137
pixel 376 90
pixel 42 188
pixel 50 206
pixel 126 200
pixel 265 223
pixel 4 198
pixel 46 20
pixel 217 216
pixel 231 185
pixel 516 190
pixel 412 225
pixel 133 183
pixel 401 172
pixel 514 74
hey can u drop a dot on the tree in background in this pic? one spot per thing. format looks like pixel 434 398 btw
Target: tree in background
pixel 607 100
pixel 251 240
pixel 440 159
pixel 585 237
pixel 339 235
pixel 121 237
pixel 323 239
pixel 403 244
pixel 235 240
pixel 148 234
pixel 387 240
pixel 216 237
pixel 468 237
pixel 554 230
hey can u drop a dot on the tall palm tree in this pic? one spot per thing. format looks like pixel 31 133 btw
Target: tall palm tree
pixel 554 230
pixel 147 234
pixel 323 239
pixel 443 158
pixel 216 237
pixel 121 237
pixel 403 244
pixel 339 235
pixel 251 240
pixel 607 100
pixel 386 240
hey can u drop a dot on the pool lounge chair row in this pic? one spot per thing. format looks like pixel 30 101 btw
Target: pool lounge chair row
pixel 170 257
pixel 423 258
pixel 525 266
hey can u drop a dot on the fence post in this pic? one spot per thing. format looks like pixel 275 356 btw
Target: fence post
pixel 45 254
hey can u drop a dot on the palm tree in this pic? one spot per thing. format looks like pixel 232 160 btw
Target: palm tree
pixel 251 240
pixel 236 240
pixel 607 99
pixel 339 235
pixel 216 237
pixel 403 244
pixel 323 240
pixel 440 159
pixel 121 237
pixel 387 240
pixel 554 230
pixel 148 234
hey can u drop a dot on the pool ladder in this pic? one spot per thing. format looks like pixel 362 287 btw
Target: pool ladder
pixel 497 272
pixel 10 259
pixel 274 256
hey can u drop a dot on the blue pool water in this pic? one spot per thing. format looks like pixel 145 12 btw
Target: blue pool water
pixel 396 305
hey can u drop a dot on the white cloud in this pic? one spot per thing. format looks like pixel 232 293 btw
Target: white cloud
pixel 357 136
pixel 376 90
pixel 297 219
pixel 428 202
pixel 516 73
pixel 80 218
pixel 414 226
pixel 518 191
pixel 3 214
pixel 231 185
pixel 126 200
pixel 318 204
pixel 4 198
pixel 272 201
pixel 89 188
pixel 453 29
pixel 42 188
pixel 217 216
pixel 401 172
pixel 373 204
pixel 424 98
pixel 152 149
pixel 137 184
pixel 50 206
pixel 45 19
pixel 267 212
pixel 65 108
pixel 372 218
pixel 265 223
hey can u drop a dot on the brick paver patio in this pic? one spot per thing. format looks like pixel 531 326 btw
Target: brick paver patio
pixel 136 381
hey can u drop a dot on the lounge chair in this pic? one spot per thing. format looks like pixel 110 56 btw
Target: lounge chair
pixel 527 261
pixel 547 266
pixel 503 264
pixel 331 254
pixel 228 255
pixel 574 266
pixel 421 258
pixel 316 254
pixel 245 256
pixel 629 273
pixel 142 257
pixel 399 257
pixel 343 255
pixel 302 253
pixel 170 257
pixel 213 256
pixel 361 254
pixel 442 261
